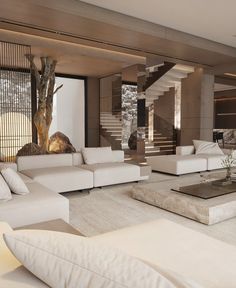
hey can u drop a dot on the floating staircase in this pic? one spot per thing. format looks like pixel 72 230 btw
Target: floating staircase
pixel 172 77
pixel 160 145
pixel 111 128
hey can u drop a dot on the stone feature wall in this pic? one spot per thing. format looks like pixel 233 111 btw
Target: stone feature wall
pixel 129 112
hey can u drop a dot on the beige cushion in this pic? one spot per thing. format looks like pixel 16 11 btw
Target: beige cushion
pixel 43 161
pixel 113 173
pixel 97 155
pixel 66 260
pixel 118 155
pixel 14 181
pixel 205 147
pixel 185 150
pixel 206 260
pixel 39 205
pixel 77 159
pixel 62 179
pixel 12 273
pixel 214 161
pixel 5 192
pixel 177 164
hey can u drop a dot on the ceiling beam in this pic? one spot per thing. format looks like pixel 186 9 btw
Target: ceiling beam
pixel 223 68
pixel 84 22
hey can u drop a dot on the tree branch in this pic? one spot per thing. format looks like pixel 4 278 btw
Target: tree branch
pixel 34 69
pixel 59 87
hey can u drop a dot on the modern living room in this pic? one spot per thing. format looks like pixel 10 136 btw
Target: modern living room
pixel 117 144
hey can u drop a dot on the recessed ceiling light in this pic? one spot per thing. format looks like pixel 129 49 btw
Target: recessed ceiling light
pixel 230 74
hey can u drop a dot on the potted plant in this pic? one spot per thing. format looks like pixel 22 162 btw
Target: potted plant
pixel 228 163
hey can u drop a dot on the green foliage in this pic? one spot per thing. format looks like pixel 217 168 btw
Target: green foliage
pixel 229 161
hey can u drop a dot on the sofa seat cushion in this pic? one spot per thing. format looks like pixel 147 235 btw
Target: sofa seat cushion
pixel 113 173
pixel 214 161
pixel 171 246
pixel 39 205
pixel 12 273
pixel 62 179
pixel 177 164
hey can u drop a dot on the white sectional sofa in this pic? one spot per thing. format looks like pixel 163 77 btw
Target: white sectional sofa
pixel 41 204
pixel 186 161
pixel 48 175
pixel 68 172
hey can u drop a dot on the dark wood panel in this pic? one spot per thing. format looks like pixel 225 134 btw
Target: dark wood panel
pixel 225 114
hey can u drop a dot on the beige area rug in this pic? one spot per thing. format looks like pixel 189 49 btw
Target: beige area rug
pixel 112 208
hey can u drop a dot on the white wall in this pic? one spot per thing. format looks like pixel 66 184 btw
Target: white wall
pixel 69 111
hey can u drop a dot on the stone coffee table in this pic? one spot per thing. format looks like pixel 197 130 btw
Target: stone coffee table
pixel 207 211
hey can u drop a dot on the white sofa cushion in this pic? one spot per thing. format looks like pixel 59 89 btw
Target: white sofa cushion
pixel 205 147
pixel 66 260
pixel 62 179
pixel 206 260
pixel 14 181
pixel 185 150
pixel 43 161
pixel 12 273
pixel 118 155
pixel 214 161
pixel 11 165
pixel 177 164
pixel 5 192
pixel 77 159
pixel 39 205
pixel 113 173
pixel 97 155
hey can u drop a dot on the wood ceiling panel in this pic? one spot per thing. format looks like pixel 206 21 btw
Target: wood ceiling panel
pixel 30 13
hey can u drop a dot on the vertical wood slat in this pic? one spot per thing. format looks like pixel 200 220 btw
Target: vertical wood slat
pixel 15 99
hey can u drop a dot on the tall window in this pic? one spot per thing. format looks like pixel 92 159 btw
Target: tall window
pixel 15 100
pixel 69 110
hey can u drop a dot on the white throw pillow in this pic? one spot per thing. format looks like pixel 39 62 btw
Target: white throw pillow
pixel 66 260
pixel 5 192
pixel 97 155
pixel 14 181
pixel 205 147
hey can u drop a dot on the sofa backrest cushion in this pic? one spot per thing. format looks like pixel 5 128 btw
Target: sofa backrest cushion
pixel 97 155
pixel 5 192
pixel 185 150
pixel 42 161
pixel 77 159
pixel 118 155
pixel 206 147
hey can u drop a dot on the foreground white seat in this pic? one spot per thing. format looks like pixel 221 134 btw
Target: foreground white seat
pixel 171 246
pixel 161 243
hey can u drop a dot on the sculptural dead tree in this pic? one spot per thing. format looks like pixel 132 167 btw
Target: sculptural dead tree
pixel 45 85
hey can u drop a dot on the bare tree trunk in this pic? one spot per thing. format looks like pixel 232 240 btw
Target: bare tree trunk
pixel 45 82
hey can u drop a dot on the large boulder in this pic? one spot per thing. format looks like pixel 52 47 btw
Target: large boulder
pixel 30 149
pixel 133 141
pixel 60 143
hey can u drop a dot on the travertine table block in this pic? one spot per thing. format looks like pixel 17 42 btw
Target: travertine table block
pixel 208 211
